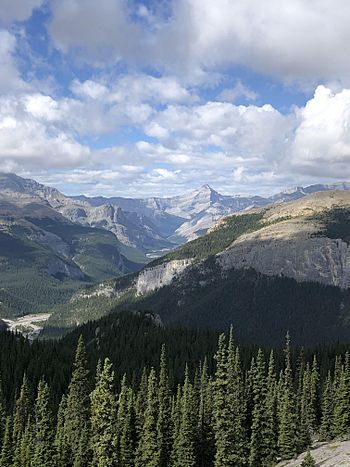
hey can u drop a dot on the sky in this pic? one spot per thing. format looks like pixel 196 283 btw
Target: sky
pixel 158 97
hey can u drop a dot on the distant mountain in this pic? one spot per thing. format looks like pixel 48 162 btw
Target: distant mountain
pixel 152 225
pixel 44 257
pixel 268 270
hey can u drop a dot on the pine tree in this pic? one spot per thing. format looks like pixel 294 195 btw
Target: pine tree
pixel 24 456
pixel 342 397
pixel 127 441
pixel 270 429
pixel 175 423
pixel 326 429
pixel 83 457
pixel 164 413
pixel 23 411
pixel 287 438
pixel 7 445
pixel 141 401
pixel 78 403
pixel 184 455
pixel 147 451
pixel 44 454
pixel 206 441
pixel 304 417
pixel 229 407
pixel 103 418
pixel 260 441
pixel 308 460
pixel 61 443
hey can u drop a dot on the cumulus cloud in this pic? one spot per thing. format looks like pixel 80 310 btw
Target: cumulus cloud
pixel 101 29
pixel 17 10
pixel 296 40
pixel 321 145
pixel 10 79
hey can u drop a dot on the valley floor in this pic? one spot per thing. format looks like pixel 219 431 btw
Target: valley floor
pixel 333 454
pixel 28 325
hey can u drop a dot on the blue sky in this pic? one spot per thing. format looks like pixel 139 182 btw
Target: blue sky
pixel 150 98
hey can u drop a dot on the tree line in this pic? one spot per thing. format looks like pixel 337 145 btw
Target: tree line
pixel 230 417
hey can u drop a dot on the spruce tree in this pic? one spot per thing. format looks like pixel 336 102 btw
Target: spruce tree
pixel 61 443
pixel 287 437
pixel 83 457
pixel 103 418
pixel 164 413
pixel 185 455
pixel 127 441
pixel 7 449
pixel 206 441
pixel 229 407
pixel 23 410
pixel 24 456
pixel 147 451
pixel 326 428
pixel 260 440
pixel 308 460
pixel 270 429
pixel 44 454
pixel 342 397
pixel 78 403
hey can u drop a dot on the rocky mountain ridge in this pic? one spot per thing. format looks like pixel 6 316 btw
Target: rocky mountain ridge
pixel 152 225
pixel 247 260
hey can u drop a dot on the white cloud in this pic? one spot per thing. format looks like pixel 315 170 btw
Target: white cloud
pixel 322 141
pixel 29 139
pixel 295 40
pixel 10 79
pixel 302 40
pixel 237 92
pixel 100 28
pixel 17 10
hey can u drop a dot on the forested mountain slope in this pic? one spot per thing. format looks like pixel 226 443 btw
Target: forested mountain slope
pixel 44 257
pixel 195 397
pixel 264 271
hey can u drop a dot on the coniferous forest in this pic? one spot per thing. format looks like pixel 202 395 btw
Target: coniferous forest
pixel 225 414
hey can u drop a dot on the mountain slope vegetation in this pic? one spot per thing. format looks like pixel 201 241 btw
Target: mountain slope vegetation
pixel 217 281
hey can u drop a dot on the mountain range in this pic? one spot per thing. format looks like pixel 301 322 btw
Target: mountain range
pixel 52 245
pixel 267 270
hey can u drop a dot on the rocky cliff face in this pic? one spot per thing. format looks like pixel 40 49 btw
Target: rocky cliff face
pixel 150 279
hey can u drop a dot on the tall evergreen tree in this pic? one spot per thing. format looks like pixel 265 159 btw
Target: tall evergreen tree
pixel 23 411
pixel 147 451
pixel 206 440
pixel 260 441
pixel 229 407
pixel 326 428
pixel 7 449
pixel 185 455
pixel 44 454
pixel 78 403
pixel 164 413
pixel 287 437
pixel 103 418
pixel 342 407
pixel 62 454
pixel 127 443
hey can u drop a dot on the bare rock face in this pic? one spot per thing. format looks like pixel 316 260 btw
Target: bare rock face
pixel 315 259
pixel 150 279
pixel 333 454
